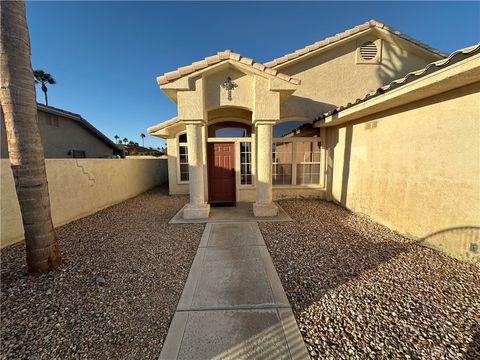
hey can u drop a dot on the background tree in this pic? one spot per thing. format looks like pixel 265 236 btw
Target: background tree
pixel 125 140
pixel 41 77
pixel 142 135
pixel 25 150
pixel 116 138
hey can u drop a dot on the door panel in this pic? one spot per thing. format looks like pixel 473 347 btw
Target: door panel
pixel 221 172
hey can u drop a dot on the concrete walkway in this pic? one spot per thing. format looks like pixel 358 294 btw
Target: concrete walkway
pixel 233 305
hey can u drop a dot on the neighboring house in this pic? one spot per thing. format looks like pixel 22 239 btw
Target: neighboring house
pixel 391 155
pixel 67 135
pixel 137 150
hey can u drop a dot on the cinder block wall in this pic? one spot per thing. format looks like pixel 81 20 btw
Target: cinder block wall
pixel 79 187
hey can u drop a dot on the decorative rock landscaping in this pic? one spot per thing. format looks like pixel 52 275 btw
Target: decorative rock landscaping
pixel 115 294
pixel 359 290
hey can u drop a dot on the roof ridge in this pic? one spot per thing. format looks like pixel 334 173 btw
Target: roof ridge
pixel 432 67
pixel 345 34
pixel 219 57
pixel 53 108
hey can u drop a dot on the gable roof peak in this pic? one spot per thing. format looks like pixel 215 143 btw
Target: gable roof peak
pixel 347 34
pixel 226 55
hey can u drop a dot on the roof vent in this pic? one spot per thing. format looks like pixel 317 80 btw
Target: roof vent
pixel 368 50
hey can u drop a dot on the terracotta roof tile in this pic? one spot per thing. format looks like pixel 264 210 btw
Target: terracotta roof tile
pixel 162 125
pixel 345 34
pixel 414 75
pixel 219 57
pixel 198 65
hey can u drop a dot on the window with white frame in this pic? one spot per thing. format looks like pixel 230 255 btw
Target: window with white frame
pixel 183 157
pixel 246 163
pixel 282 163
pixel 307 156
pixel 296 162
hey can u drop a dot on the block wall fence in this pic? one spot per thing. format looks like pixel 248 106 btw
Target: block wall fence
pixel 80 187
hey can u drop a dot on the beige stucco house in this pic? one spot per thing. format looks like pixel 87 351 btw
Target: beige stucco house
pixel 390 154
pixel 66 135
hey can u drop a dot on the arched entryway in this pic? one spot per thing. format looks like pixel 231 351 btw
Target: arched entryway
pixel 229 155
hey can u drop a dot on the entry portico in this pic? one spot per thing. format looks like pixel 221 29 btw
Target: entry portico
pixel 221 148
pixel 224 91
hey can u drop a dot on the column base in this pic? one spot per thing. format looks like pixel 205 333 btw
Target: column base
pixel 261 210
pixel 192 212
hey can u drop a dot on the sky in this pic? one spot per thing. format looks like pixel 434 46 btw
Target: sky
pixel 105 56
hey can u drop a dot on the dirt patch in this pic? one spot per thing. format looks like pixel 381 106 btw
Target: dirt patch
pixel 115 294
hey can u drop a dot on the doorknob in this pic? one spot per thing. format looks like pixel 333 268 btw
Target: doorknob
pixel 233 172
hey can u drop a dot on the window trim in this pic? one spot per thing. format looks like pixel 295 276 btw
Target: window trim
pixel 178 144
pixel 320 139
pixel 291 162
pixel 239 147
pixel 319 162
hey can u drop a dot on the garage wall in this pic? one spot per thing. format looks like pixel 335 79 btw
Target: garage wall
pixel 79 187
pixel 415 168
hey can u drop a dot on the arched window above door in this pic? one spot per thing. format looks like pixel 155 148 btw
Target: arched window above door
pixel 229 129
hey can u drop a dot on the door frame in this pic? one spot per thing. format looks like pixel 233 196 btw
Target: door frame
pixel 210 145
pixel 237 141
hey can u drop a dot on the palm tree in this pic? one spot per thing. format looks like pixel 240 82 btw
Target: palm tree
pixel 142 135
pixel 116 137
pixel 44 78
pixel 125 140
pixel 25 150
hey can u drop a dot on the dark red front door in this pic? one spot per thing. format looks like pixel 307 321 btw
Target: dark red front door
pixel 221 172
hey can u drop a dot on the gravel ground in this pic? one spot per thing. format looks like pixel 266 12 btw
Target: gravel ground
pixel 359 290
pixel 69 313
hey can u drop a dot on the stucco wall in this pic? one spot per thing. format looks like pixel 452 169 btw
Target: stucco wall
pixel 80 187
pixel 415 168
pixel 61 135
pixel 333 78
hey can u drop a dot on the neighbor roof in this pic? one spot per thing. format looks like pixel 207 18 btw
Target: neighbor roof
pixel 162 125
pixel 455 57
pixel 349 33
pixel 215 59
pixel 79 119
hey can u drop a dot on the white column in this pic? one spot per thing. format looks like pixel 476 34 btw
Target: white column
pixel 197 208
pixel 264 205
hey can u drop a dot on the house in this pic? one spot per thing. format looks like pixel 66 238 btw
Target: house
pixel 67 135
pixel 231 142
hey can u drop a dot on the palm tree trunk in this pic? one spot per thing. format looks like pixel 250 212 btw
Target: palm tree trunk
pixel 17 96
pixel 46 98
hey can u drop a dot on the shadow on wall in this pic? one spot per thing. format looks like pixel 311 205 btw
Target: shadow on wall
pixel 300 107
pixel 332 142
pixel 397 65
pixel 461 242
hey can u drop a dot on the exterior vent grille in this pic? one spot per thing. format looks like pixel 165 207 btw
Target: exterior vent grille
pixel 368 50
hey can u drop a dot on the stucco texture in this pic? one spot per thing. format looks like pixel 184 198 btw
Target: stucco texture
pixel 334 77
pixel 79 187
pixel 61 135
pixel 414 168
